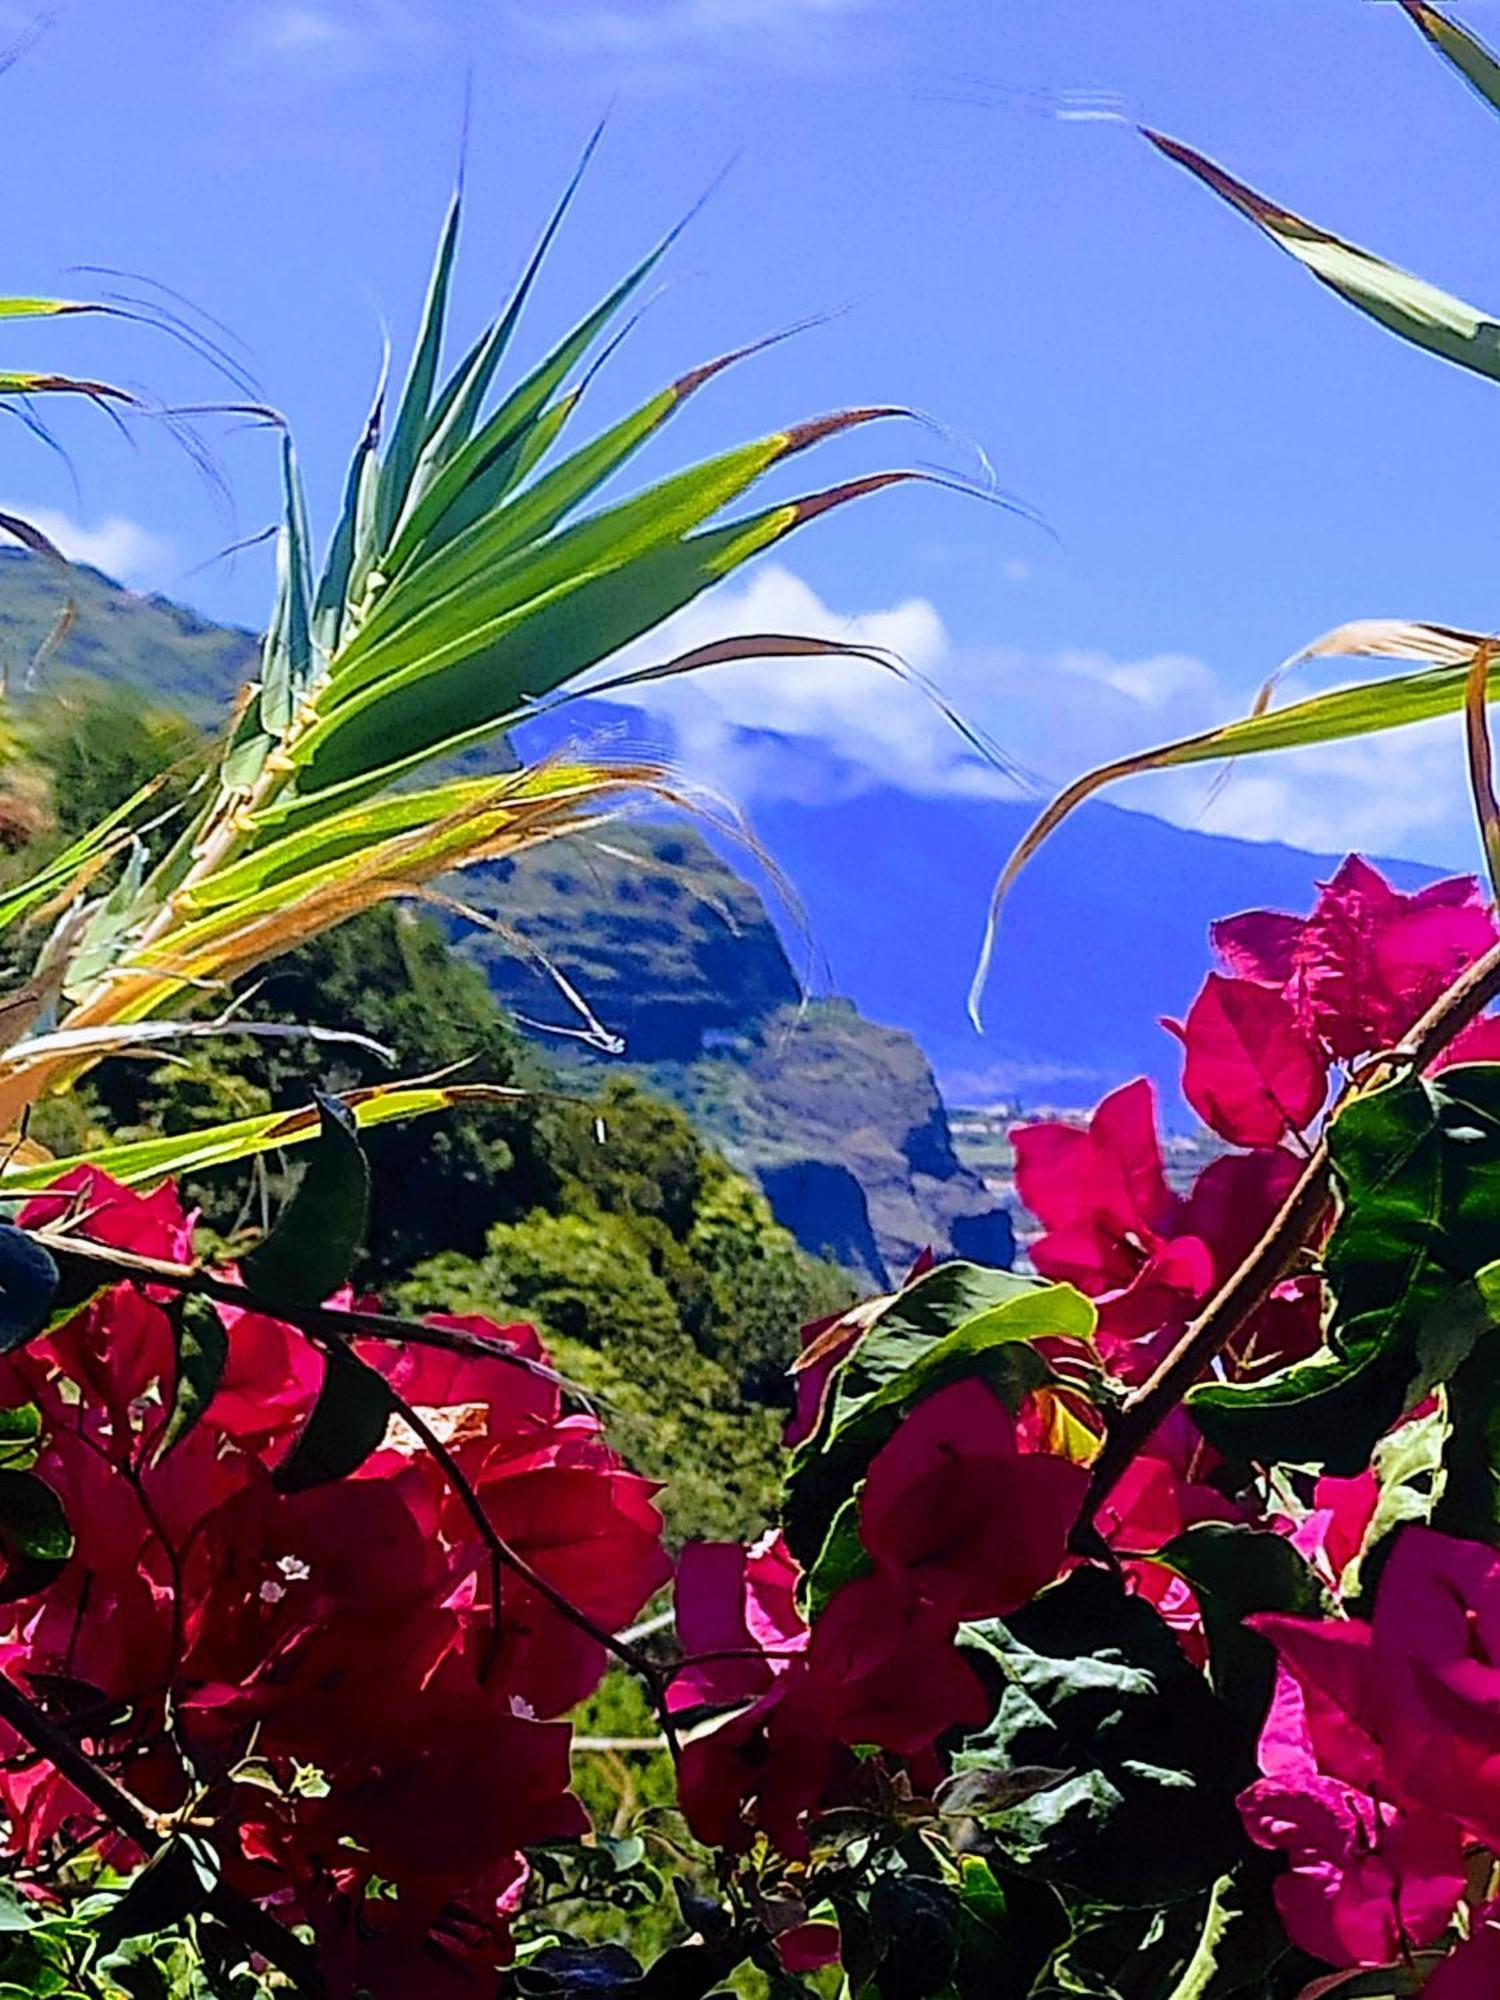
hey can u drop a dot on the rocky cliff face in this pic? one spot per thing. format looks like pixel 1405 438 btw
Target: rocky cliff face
pixel 840 1119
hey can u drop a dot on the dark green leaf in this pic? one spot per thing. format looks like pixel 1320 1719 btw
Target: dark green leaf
pixel 1121 1954
pixel 842 1558
pixel 1005 1931
pixel 35 1538
pixel 28 1286
pixel 20 1432
pixel 175 1883
pixel 958 1320
pixel 1417 1165
pixel 347 1423
pixel 916 1920
pixel 1235 1571
pixel 1093 1682
pixel 1467 1493
pixel 312 1248
pixel 202 1350
pixel 601 1969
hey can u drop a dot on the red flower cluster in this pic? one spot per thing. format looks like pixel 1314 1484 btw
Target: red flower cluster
pixel 1382 1762
pixel 323 1664
pixel 1303 993
pixel 959 1521
pixel 1146 1256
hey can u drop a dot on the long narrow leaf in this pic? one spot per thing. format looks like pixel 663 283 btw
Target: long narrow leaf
pixel 410 424
pixel 450 502
pixel 1468 55
pixel 457 408
pixel 579 629
pixel 1407 305
pixel 145 1162
pixel 469 596
pixel 1362 710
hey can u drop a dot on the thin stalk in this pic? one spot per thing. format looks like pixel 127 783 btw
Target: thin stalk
pixel 129 1266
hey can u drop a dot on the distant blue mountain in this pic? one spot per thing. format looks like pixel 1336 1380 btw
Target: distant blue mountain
pixel 1105 932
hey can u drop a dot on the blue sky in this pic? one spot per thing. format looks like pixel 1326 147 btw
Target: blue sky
pixel 1228 461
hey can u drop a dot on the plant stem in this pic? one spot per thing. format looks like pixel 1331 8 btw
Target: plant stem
pixel 252 1926
pixel 128 1265
pixel 503 1556
pixel 1148 1405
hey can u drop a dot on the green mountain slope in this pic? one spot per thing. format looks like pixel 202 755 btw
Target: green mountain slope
pixel 658 939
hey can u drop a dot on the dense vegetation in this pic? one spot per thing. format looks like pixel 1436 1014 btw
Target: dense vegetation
pixel 1130 1628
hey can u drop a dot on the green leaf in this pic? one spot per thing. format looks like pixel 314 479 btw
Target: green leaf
pixel 311 1250
pixel 1417 1166
pixel 202 1347
pixel 287 659
pixel 35 1538
pixel 1235 1571
pixel 842 1558
pixel 1242 1939
pixel 477 475
pixel 410 425
pixel 1468 55
pixel 426 666
pixel 20 1436
pixel 146 1162
pixel 347 1423
pixel 1407 1465
pixel 29 1282
pixel 1404 304
pixel 1093 1682
pixel 915 1920
pixel 174 1884
pixel 1121 1954
pixel 956 1321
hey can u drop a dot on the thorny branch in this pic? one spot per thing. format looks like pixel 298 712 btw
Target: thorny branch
pixel 1148 1405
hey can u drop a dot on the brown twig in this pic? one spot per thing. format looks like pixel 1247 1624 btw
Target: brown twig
pixel 1149 1404
pixel 254 1927
pixel 129 1265
pixel 503 1556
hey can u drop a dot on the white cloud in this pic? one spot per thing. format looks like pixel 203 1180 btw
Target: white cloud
pixel 122 548
pixel 336 35
pixel 777 728
pixel 292 29
pixel 666 44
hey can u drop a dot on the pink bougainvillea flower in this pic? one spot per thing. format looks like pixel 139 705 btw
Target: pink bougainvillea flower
pixel 1369 960
pixel 347 1629
pixel 1436 1662
pixel 880 1670
pixel 1472 1972
pixel 808 1947
pixel 1252 1071
pixel 1366 1880
pixel 737 1620
pixel 1165 1490
pixel 1100 1193
pixel 1147 1257
pixel 1333 1533
pixel 952 1506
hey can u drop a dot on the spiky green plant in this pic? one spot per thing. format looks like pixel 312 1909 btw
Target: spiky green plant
pixel 471 576
pixel 1457 668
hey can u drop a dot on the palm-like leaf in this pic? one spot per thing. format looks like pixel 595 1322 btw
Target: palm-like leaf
pixel 466 580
